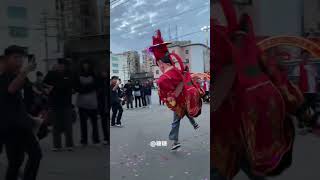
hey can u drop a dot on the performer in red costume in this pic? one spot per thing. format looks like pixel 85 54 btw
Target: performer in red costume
pixel 250 131
pixel 278 74
pixel 176 88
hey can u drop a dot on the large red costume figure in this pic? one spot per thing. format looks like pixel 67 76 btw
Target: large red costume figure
pixel 250 123
pixel 187 100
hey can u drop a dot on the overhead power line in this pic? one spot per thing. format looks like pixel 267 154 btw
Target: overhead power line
pixel 165 19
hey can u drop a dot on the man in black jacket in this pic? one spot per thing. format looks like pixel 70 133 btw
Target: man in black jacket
pixel 60 89
pixel 128 90
pixel 16 126
pixel 115 102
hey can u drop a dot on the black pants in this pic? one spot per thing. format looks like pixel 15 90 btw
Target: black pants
pixel 137 98
pixel 84 115
pixel 17 145
pixel 129 101
pixel 310 102
pixel 116 113
pixel 104 117
pixel 144 101
pixel 160 102
pixel 61 118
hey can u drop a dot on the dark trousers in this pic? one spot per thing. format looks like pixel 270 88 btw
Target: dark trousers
pixel 137 98
pixel 61 118
pixel 160 102
pixel 116 113
pixel 84 115
pixel 104 117
pixel 310 102
pixel 144 100
pixel 129 101
pixel 19 143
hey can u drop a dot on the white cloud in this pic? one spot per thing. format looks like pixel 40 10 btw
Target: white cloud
pixel 116 20
pixel 202 12
pixel 124 24
pixel 161 2
pixel 151 16
pixel 139 3
pixel 179 6
pixel 143 33
pixel 182 7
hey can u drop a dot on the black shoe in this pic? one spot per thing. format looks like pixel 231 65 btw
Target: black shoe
pixel 175 146
pixel 119 125
pixel 196 126
pixel 56 149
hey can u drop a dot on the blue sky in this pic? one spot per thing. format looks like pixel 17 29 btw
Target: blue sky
pixel 133 22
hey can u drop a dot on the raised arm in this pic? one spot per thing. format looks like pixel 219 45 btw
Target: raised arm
pixel 230 14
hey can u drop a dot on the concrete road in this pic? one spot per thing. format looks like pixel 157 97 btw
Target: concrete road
pixel 90 163
pixel 306 159
pixel 133 158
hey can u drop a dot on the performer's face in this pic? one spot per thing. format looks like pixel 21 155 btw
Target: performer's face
pixel 161 66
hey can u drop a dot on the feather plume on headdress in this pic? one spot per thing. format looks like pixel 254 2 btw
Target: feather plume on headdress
pixel 159 48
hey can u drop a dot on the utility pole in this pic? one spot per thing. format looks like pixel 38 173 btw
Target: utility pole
pixel 206 29
pixel 45 21
pixel 45 28
pixel 177 37
pixel 169 32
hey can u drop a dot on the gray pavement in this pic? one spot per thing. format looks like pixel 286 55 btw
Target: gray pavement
pixel 132 157
pixel 306 159
pixel 90 163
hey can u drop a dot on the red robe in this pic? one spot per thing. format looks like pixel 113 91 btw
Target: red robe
pixel 167 84
pixel 292 95
pixel 260 132
pixel 226 142
pixel 303 79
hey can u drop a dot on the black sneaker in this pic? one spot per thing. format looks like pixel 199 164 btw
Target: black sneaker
pixel 56 149
pixel 175 146
pixel 70 149
pixel 119 125
pixel 196 126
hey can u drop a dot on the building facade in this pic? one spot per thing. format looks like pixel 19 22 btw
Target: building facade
pixel 194 55
pixel 33 27
pixel 133 60
pixel 81 17
pixel 119 67
pixel 147 62
pixel 81 26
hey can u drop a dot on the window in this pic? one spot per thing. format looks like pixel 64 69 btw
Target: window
pixel 17 12
pixel 157 72
pixel 114 59
pixel 18 32
pixel 115 71
pixel 187 61
pixel 187 51
pixel 115 65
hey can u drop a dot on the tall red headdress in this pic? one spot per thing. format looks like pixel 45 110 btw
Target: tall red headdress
pixel 159 47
